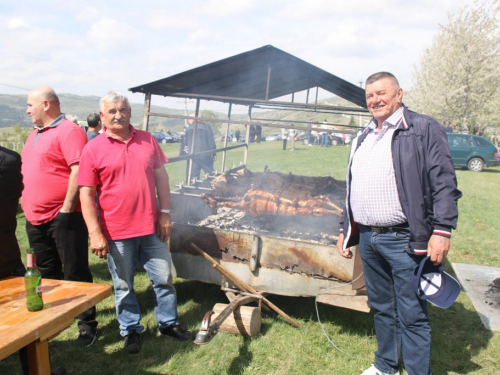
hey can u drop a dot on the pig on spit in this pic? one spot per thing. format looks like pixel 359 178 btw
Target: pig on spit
pixel 258 202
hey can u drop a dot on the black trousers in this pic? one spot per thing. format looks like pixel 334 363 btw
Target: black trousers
pixel 207 164
pixel 61 253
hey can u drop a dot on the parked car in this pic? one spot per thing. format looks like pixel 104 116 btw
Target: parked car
pixel 335 140
pixel 472 151
pixel 162 137
pixel 176 136
pixel 273 137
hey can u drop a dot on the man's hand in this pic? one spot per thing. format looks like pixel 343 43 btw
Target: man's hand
pixel 438 248
pixel 164 227
pixel 345 253
pixel 99 245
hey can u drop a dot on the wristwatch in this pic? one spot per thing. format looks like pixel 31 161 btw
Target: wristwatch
pixel 165 211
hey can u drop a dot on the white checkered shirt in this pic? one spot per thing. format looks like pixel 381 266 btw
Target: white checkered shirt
pixel 374 194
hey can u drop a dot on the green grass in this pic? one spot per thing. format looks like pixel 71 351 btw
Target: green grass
pixel 461 345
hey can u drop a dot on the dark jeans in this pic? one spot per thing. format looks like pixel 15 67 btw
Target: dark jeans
pixel 206 164
pixel 284 144
pixel 61 253
pixel 401 320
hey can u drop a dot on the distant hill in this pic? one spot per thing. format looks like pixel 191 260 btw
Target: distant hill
pixel 13 111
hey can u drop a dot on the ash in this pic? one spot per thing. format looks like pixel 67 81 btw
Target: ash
pixel 493 293
pixel 311 229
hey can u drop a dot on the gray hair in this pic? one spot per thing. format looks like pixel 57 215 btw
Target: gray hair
pixel 113 97
pixel 380 75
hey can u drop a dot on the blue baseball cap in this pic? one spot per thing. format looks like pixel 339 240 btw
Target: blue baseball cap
pixel 431 283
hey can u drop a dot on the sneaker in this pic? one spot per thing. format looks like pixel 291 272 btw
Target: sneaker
pixel 132 343
pixel 177 332
pixel 374 371
pixel 87 336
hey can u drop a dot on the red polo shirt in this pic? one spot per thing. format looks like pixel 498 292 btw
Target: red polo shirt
pixel 123 173
pixel 46 159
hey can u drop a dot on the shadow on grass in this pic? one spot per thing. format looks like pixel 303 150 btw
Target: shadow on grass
pixel 243 359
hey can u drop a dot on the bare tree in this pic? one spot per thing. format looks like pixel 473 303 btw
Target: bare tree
pixel 458 79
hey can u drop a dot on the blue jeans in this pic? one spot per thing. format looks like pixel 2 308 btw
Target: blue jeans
pixel 324 139
pixel 155 258
pixel 401 319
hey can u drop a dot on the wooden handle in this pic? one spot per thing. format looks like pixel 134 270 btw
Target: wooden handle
pixel 240 284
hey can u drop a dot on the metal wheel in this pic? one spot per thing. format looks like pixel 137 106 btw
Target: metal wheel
pixel 164 141
pixel 335 142
pixel 475 164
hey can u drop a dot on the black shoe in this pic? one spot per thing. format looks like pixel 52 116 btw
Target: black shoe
pixel 132 343
pixel 87 336
pixel 177 332
pixel 59 370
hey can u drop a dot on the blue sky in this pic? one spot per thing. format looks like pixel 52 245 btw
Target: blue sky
pixel 90 47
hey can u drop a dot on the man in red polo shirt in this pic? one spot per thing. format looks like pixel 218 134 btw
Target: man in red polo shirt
pixel 125 167
pixel 50 201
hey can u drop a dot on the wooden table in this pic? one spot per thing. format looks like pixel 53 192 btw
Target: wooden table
pixel 63 301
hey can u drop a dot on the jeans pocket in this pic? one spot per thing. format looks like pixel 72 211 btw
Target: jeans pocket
pixel 402 235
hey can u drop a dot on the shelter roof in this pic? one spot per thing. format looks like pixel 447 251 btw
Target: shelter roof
pixel 245 76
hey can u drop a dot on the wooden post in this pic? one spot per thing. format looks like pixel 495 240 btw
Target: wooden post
pixel 223 164
pixel 145 113
pixel 190 161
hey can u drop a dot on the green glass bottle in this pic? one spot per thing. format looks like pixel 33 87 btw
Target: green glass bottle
pixel 33 283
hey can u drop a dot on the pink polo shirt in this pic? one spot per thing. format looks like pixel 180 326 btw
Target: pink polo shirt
pixel 123 173
pixel 46 159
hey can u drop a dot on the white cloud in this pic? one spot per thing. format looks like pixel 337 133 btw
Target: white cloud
pixel 88 14
pixel 167 20
pixel 15 23
pixel 113 37
pixel 225 8
pixel 95 47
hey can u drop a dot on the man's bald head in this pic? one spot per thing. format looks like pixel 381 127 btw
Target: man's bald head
pixel 46 93
pixel 43 106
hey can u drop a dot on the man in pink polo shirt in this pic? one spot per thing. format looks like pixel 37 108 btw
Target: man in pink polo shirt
pixel 125 167
pixel 50 201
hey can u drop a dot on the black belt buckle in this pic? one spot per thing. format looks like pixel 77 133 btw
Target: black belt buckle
pixel 395 228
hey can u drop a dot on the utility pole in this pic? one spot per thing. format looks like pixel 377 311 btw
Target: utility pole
pixel 185 112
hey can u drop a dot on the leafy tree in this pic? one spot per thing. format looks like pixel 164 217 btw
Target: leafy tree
pixel 211 115
pixel 458 78
pixel 21 134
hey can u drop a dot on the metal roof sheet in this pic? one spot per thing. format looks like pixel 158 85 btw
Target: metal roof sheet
pixel 245 76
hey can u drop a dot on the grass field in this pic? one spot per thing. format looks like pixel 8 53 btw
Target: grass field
pixel 461 345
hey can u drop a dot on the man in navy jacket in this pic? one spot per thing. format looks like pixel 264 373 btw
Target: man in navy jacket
pixel 401 206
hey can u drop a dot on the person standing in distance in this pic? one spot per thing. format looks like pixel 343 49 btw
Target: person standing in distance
pixel 204 142
pixel 400 208
pixel 126 168
pixel 94 126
